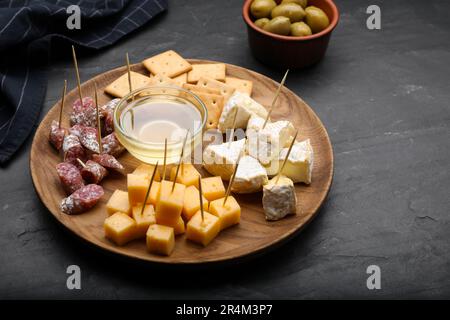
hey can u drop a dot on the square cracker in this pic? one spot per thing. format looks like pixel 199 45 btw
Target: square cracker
pixel 159 79
pixel 169 64
pixel 200 89
pixel 214 103
pixel 180 80
pixel 225 89
pixel 212 70
pixel 241 85
pixel 120 87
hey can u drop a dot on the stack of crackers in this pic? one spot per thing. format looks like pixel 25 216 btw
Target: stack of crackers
pixel 208 81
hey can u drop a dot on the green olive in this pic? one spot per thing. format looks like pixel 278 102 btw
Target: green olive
pixel 303 3
pixel 316 19
pixel 293 11
pixel 260 23
pixel 262 8
pixel 300 29
pixel 279 25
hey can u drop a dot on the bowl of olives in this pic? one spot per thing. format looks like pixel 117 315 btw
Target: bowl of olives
pixel 289 33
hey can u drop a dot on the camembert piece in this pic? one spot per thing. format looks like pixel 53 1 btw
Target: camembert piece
pixel 118 203
pixel 147 170
pixel 170 203
pixel 213 188
pixel 144 220
pixel 120 228
pixel 160 239
pixel 192 202
pixel 245 108
pixel 228 214
pixel 203 231
pixel 250 176
pixel 220 159
pixel 187 174
pixel 279 198
pixel 299 165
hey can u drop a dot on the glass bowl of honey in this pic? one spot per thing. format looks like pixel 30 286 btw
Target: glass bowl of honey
pixel 146 117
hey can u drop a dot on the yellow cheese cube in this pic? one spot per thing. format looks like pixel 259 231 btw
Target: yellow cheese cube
pixel 228 214
pixel 153 196
pixel 144 220
pixel 137 188
pixel 118 202
pixel 213 188
pixel 187 174
pixel 147 170
pixel 203 231
pixel 192 202
pixel 120 228
pixel 178 227
pixel 170 203
pixel 160 239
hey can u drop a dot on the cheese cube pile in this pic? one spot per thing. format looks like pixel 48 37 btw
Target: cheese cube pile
pixel 171 209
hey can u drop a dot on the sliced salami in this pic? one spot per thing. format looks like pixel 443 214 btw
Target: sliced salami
pixel 112 146
pixel 76 130
pixel 89 139
pixel 108 123
pixel 73 149
pixel 82 200
pixel 56 136
pixel 109 107
pixel 84 114
pixel 108 161
pixel 93 172
pixel 69 176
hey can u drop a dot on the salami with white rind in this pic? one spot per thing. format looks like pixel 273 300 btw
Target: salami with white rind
pixel 56 136
pixel 69 176
pixel 108 161
pixel 93 172
pixel 82 200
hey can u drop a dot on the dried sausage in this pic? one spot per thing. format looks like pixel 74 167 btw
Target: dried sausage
pixel 82 200
pixel 93 172
pixel 70 177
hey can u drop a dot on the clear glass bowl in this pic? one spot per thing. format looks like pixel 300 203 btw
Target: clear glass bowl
pixel 135 109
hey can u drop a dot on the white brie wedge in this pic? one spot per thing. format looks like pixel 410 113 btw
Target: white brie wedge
pixel 279 198
pixel 250 176
pixel 244 106
pixel 220 159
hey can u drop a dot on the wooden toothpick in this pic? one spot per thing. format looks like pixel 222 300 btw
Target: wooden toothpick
pixel 99 129
pixel 77 72
pixel 149 188
pixel 165 157
pixel 129 72
pixel 230 183
pixel 277 93
pixel 181 159
pixel 200 193
pixel 81 162
pixel 63 98
pixel 286 158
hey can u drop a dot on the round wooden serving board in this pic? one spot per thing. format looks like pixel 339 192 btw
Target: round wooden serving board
pixel 253 235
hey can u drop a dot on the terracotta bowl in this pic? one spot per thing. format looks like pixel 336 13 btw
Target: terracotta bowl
pixel 287 51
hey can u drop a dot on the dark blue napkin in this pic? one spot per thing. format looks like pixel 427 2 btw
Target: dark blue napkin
pixel 27 29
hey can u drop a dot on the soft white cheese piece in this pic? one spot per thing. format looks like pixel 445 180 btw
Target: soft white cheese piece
pixel 250 176
pixel 220 159
pixel 244 106
pixel 299 166
pixel 279 198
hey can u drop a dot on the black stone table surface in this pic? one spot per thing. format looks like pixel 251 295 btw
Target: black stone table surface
pixel 383 96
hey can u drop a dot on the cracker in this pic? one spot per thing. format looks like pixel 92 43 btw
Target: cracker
pixel 159 79
pixel 200 89
pixel 211 70
pixel 241 85
pixel 225 90
pixel 214 103
pixel 169 64
pixel 180 80
pixel 120 87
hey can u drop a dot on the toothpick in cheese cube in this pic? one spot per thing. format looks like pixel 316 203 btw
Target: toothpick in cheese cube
pixel 203 231
pixel 187 175
pixel 192 202
pixel 170 203
pixel 143 218
pixel 160 239
pixel 120 228
pixel 118 203
pixel 229 213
